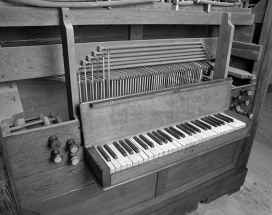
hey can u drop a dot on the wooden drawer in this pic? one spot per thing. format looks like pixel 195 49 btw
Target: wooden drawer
pixel 92 200
pixel 211 162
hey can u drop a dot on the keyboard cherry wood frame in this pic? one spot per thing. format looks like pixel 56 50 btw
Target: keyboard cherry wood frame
pixel 162 108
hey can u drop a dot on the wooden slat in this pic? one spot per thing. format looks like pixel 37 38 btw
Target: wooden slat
pixel 242 74
pixel 91 200
pixel 51 183
pixel 46 17
pixel 151 110
pixel 259 11
pixel 224 44
pixel 47 60
pixel 68 47
pixel 246 50
pixel 29 152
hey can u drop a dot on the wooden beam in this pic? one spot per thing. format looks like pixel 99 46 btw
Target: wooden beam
pixel 224 45
pixel 246 50
pixel 259 11
pixel 263 69
pixel 29 16
pixel 68 47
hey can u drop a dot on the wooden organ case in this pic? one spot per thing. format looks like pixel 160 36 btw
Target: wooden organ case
pixel 131 93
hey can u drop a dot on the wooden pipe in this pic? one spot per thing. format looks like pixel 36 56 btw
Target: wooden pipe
pixel 41 3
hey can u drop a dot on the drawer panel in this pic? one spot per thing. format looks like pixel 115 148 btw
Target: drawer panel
pixel 92 200
pixel 200 165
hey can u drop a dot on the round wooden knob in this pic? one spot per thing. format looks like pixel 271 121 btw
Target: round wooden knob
pixel 54 142
pixel 56 156
pixel 247 92
pixel 73 159
pixel 246 102
pixel 72 146
pixel 249 115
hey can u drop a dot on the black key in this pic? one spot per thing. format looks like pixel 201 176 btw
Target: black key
pixel 193 127
pixel 226 117
pixel 132 146
pixel 162 138
pixel 177 132
pixel 218 120
pixel 120 149
pixel 184 130
pixel 214 121
pixel 103 153
pixel 140 142
pixel 172 133
pixel 223 119
pixel 190 129
pixel 209 122
pixel 170 139
pixel 126 147
pixel 204 124
pixel 110 151
pixel 146 141
pixel 199 125
pixel 157 140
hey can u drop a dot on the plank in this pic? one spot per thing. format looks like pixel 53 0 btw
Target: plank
pixel 259 11
pixel 91 200
pixel 68 47
pixel 27 62
pixel 22 156
pixel 246 50
pixel 224 45
pixel 222 205
pixel 171 105
pixel 47 17
pixel 51 183
pixel 250 203
pixel 242 74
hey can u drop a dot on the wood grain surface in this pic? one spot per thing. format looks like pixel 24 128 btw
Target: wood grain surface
pixel 128 115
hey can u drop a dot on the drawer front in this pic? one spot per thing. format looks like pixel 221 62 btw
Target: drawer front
pixel 92 200
pixel 200 165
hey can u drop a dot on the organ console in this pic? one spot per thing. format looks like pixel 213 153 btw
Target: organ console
pixel 152 126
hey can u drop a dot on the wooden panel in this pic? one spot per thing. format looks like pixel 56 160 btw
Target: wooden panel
pixel 129 115
pixel 259 11
pixel 135 32
pixel 49 184
pixel 244 33
pixel 195 191
pixel 29 152
pixel 91 200
pixel 246 50
pixel 47 60
pixel 200 165
pixel 48 16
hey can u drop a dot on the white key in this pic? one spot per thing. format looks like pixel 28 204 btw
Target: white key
pixel 201 134
pixel 236 122
pixel 143 152
pixel 178 142
pixel 114 162
pixel 191 139
pixel 164 149
pixel 234 127
pixel 205 133
pixel 173 146
pixel 215 129
pixel 159 150
pixel 124 161
pixel 152 150
pixel 136 155
pixel 133 158
pixel 109 164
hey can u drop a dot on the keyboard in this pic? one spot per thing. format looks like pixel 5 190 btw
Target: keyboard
pixel 144 147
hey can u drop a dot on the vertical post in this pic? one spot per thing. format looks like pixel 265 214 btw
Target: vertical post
pixel 68 47
pixel 224 45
